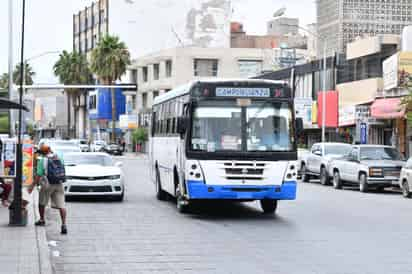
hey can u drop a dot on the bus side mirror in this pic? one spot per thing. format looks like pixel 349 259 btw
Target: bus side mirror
pixel 182 124
pixel 299 126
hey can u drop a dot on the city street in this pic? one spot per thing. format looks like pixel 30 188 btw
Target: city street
pixel 324 231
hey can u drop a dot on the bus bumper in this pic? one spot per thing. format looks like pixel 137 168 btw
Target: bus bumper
pixel 199 190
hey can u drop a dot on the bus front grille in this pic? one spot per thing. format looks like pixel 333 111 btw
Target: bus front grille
pixel 244 171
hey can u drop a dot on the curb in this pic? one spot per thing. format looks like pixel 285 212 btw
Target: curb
pixel 45 265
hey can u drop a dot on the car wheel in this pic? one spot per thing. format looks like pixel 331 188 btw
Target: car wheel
pixel 119 198
pixel 324 178
pixel 363 183
pixel 161 195
pixel 405 189
pixel 305 176
pixel 182 205
pixel 269 206
pixel 337 182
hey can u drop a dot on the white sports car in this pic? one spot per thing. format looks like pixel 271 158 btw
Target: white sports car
pixel 93 174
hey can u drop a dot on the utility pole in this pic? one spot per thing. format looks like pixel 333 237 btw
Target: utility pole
pixel 17 216
pixel 11 121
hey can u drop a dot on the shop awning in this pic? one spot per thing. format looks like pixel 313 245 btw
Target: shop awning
pixel 388 108
pixel 7 104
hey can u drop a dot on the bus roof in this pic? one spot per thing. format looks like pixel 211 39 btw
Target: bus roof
pixel 184 89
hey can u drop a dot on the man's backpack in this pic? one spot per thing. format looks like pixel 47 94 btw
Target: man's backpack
pixel 56 174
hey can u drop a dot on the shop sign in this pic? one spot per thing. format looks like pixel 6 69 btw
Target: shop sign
pixel 303 109
pixel 128 121
pixel 390 72
pixel 347 116
pixel 397 70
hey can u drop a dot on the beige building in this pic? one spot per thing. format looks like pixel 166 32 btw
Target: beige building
pixel 162 71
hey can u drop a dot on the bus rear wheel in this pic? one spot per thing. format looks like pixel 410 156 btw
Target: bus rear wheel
pixel 269 206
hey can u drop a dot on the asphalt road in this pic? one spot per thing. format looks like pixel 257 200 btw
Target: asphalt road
pixel 323 231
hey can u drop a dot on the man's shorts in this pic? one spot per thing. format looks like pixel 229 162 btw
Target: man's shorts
pixel 55 192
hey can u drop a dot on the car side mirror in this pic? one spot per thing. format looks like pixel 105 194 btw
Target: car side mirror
pixel 299 126
pixel 182 125
pixel 118 164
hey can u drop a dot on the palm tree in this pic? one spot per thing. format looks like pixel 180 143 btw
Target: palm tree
pixel 28 74
pixel 109 61
pixel 72 69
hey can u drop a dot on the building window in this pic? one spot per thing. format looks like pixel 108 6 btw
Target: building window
pixel 156 71
pixel 155 93
pixel 144 74
pixel 249 68
pixel 93 102
pixel 205 67
pixel 169 68
pixel 134 76
pixel 144 100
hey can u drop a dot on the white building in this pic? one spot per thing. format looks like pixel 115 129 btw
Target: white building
pixel 164 70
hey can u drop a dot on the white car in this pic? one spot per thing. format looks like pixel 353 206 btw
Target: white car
pixel 405 179
pixel 83 144
pixel 93 174
pixel 98 146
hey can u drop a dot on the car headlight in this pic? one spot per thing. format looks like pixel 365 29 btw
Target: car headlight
pixel 375 172
pixel 114 177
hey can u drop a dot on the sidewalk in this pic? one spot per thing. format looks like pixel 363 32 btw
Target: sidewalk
pixel 23 249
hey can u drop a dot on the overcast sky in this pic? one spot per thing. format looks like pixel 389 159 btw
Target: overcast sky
pixel 49 26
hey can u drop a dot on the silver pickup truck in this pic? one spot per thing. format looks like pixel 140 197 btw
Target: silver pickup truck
pixel 367 166
pixel 316 162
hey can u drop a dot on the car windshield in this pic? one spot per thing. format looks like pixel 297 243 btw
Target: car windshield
pixel 83 142
pixel 379 153
pixel 337 149
pixel 87 159
pixel 219 127
pixel 99 143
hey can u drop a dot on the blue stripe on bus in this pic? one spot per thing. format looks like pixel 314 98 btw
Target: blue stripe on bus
pixel 200 190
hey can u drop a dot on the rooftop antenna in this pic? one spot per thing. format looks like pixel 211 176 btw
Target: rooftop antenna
pixel 177 37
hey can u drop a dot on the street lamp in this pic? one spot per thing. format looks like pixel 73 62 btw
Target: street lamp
pixel 279 13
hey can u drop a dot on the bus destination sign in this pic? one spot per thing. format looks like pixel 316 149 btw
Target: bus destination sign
pixel 242 92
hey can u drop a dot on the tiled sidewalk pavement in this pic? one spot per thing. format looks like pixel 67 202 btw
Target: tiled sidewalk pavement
pixel 23 249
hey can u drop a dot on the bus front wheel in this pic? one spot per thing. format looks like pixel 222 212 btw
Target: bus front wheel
pixel 269 206
pixel 182 204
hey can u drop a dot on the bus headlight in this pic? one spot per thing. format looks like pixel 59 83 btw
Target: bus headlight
pixel 194 171
pixel 291 172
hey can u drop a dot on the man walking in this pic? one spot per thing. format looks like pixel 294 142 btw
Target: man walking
pixel 50 175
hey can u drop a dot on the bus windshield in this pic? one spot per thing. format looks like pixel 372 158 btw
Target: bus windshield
pixel 261 126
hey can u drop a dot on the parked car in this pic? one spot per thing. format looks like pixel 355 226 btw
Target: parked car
pixel 98 146
pixel 368 166
pixel 316 163
pixel 83 144
pixel 405 180
pixel 113 149
pixel 93 174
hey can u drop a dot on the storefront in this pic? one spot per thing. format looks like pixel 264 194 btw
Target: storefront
pixel 390 125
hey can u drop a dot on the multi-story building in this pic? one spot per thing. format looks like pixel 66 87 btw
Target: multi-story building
pixel 342 21
pixel 283 26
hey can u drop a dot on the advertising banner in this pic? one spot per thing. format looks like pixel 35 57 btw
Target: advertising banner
pixel 28 153
pixel 303 109
pixel 347 116
pixel 397 70
pixel 332 109
pixel 8 157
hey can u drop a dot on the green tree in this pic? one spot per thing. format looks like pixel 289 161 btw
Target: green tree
pixel 4 81
pixel 109 61
pixel 28 74
pixel 72 69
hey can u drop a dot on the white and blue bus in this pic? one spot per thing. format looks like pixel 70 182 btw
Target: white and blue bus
pixel 225 139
